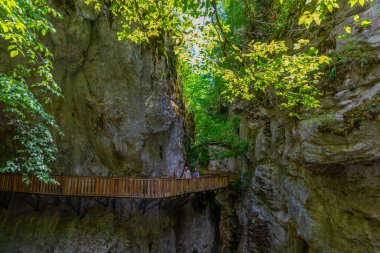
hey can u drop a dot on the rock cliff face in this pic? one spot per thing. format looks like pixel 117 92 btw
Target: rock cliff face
pixel 32 224
pixel 117 112
pixel 118 118
pixel 315 184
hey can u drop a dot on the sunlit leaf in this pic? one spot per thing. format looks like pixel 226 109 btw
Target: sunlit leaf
pixel 14 53
pixel 365 23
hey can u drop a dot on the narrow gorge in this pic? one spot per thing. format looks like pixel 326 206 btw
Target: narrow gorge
pixel 307 184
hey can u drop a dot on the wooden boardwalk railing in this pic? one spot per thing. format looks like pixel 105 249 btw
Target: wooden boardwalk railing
pixel 97 186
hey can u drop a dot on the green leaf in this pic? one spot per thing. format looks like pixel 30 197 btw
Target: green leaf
pixel 20 23
pixel 302 19
pixel 316 18
pixel 14 53
pixel 365 23
pixel 4 27
pixel 11 47
pixel 330 7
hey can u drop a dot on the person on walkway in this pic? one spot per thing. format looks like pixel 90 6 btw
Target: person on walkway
pixel 196 174
pixel 187 173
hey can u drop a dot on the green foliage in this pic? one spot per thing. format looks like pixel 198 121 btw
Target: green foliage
pixel 219 42
pixel 236 13
pixel 260 19
pixel 222 62
pixel 259 71
pixel 320 7
pixel 288 81
pixel 254 68
pixel 147 21
pixel 216 133
pixel 25 83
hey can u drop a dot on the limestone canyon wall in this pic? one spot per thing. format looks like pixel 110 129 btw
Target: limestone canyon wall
pixel 315 184
pixel 32 224
pixel 118 117
pixel 117 112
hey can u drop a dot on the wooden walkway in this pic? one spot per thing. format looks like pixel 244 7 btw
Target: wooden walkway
pixel 97 186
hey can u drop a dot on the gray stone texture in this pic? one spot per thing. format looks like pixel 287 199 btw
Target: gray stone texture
pixel 32 224
pixel 310 191
pixel 315 191
pixel 117 107
pixel 118 119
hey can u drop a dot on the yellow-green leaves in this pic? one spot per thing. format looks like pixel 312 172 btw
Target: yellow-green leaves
pixel 365 23
pixel 300 43
pixel 269 69
pixel 316 18
pixel 14 53
pixel 148 21
pixel 318 13
pixel 361 2
pixel 4 27
pixel 356 18
pixel 308 18
pixel 21 24
pixel 323 59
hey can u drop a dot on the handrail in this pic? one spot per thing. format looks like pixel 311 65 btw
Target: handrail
pixel 99 186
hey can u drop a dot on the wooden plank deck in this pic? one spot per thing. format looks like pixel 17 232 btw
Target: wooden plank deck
pixel 98 186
